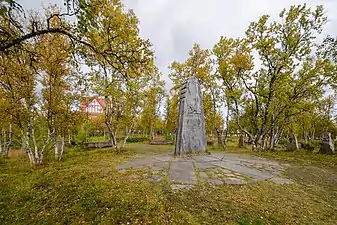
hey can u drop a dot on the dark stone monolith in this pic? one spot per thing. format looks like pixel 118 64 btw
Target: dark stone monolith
pixel 191 134
pixel 327 145
pixel 293 145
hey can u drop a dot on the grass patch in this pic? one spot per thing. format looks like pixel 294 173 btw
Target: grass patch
pixel 85 188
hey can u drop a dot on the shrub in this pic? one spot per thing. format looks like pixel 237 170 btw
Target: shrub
pixel 80 137
pixel 309 146
pixel 283 142
pixel 168 137
pixel 136 139
pixel 210 143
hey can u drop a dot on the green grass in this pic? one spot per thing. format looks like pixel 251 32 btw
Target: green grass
pixel 85 188
pixel 98 138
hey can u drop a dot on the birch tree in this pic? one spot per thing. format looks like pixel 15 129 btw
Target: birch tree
pixel 290 75
pixel 125 56
pixel 55 70
pixel 6 126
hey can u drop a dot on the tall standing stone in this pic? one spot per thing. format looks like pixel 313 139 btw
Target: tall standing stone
pixel 191 134
pixel 293 143
pixel 327 145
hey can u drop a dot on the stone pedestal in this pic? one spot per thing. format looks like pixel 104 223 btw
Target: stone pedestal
pixel 327 145
pixel 191 134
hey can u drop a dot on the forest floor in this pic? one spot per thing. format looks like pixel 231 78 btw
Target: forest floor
pixel 86 187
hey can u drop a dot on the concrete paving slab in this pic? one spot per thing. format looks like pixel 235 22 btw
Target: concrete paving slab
pixel 222 167
pixel 233 180
pixel 215 182
pixel 182 172
pixel 203 165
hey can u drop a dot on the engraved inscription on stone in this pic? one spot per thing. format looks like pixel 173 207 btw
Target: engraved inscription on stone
pixel 191 134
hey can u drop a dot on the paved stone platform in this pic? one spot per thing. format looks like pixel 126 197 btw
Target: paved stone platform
pixel 216 169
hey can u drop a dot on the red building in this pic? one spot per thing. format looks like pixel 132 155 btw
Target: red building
pixel 94 106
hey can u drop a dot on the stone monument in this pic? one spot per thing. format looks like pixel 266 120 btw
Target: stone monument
pixel 327 145
pixel 292 144
pixel 191 133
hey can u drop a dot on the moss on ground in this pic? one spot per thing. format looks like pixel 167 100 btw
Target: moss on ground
pixel 85 188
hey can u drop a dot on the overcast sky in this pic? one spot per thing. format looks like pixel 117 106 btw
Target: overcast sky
pixel 174 25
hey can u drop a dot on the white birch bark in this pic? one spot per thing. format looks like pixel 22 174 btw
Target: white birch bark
pixel 62 147
pixel 1 152
pixel 56 147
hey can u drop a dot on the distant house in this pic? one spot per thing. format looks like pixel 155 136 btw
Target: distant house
pixel 93 106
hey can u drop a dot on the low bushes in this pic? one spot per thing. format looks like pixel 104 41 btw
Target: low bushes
pixel 135 139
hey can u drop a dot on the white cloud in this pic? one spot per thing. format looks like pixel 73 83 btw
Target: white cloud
pixel 174 25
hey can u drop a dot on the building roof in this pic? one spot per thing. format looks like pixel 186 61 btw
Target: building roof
pixel 86 102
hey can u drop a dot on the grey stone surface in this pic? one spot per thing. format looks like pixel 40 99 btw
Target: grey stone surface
pixel 214 169
pixel 205 158
pixel 225 171
pixel 327 145
pixel 214 182
pixel 191 134
pixel 155 178
pixel 160 166
pixel 165 158
pixel 217 155
pixel 182 172
pixel 233 180
pixel 203 165
pixel 203 175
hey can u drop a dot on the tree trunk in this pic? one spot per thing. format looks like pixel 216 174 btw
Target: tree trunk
pixel 8 145
pixel 125 138
pixel 1 152
pixel 220 138
pixel 34 157
pixel 227 127
pixel 264 136
pixel 69 138
pixel 56 147
pixel 273 138
pixel 62 148
pixel 296 141
pixel 127 133
pixel 108 123
pixel 241 141
pixel 112 136
pixel 4 139
pixel 254 144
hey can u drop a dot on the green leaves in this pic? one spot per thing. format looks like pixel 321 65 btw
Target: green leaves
pixel 198 64
pixel 114 35
pixel 290 76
